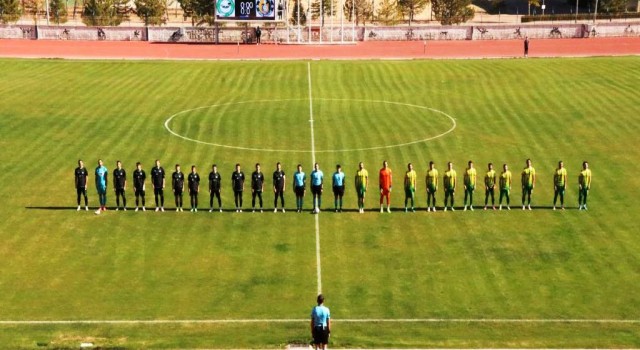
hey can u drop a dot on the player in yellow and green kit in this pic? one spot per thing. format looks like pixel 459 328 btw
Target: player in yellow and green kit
pixel 470 179
pixel 528 179
pixel 432 186
pixel 489 186
pixel 559 184
pixel 449 180
pixel 362 183
pixel 410 178
pixel 505 185
pixel 584 185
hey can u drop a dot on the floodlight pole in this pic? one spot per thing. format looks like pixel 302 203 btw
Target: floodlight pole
pixel 576 11
pixel 353 20
pixel 299 29
pixel 331 37
pixel 595 13
pixel 47 5
pixel 309 19
pixel 342 22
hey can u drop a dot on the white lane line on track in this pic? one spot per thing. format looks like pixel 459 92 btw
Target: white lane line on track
pixel 313 161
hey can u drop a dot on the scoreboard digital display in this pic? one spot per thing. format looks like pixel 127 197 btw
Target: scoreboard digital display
pixel 245 10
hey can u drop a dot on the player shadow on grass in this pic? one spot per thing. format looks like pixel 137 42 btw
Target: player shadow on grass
pixel 329 210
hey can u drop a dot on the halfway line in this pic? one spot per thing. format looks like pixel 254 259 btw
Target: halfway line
pixel 313 161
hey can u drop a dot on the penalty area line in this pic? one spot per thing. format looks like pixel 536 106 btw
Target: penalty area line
pixel 352 320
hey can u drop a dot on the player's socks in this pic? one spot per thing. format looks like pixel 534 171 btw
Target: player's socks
pixel 78 208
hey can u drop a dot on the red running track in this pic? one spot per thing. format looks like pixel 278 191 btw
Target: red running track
pixel 361 50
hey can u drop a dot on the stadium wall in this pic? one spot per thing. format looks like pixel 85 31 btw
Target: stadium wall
pixel 326 35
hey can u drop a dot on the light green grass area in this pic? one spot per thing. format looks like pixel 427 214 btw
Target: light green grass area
pixel 59 264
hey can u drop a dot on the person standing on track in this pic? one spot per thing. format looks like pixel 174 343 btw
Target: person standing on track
pixel 528 179
pixel 158 181
pixel 584 185
pixel 101 174
pixel 338 188
pixel 432 186
pixel 279 186
pixel 410 182
pixel 317 183
pixel 119 185
pixel 257 187
pixel 81 174
pixel 449 181
pixel 215 186
pixel 237 183
pixel 559 184
pixel 526 46
pixel 385 181
pixel 194 187
pixel 362 183
pixel 139 177
pixel 177 184
pixel 489 186
pixel 299 180
pixel 320 324
pixel 258 35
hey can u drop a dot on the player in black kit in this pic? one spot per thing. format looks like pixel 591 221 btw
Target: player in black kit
pixel 119 185
pixel 80 179
pixel 215 185
pixel 237 183
pixel 279 181
pixel 194 188
pixel 157 178
pixel 139 176
pixel 177 184
pixel 257 187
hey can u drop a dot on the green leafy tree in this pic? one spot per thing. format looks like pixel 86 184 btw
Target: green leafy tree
pixel 607 6
pixel 362 10
pixel 104 12
pixel 10 11
pixel 58 11
pixel 151 11
pixel 326 9
pixel 412 7
pixel 388 12
pixel 202 12
pixel 449 12
pixel 297 6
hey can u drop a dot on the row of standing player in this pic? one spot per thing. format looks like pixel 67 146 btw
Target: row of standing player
pixel 528 180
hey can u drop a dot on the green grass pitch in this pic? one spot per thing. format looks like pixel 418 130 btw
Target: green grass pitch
pixel 59 264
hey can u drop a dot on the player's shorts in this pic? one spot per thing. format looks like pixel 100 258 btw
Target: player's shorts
pixel 279 190
pixel 177 192
pixel 385 191
pixel 471 188
pixel 338 190
pixel 431 188
pixel 316 189
pixel 299 190
pixel 361 190
pixel 409 191
pixel 158 191
pixel 449 190
pixel 81 190
pixel 528 187
pixel 505 190
pixel 560 189
pixel 102 189
pixel 490 188
pixel 320 335
pixel 193 191
pixel 139 192
pixel 120 191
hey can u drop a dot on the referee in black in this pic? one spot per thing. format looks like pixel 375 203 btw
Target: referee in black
pixel 157 178
pixel 237 183
pixel 139 177
pixel 177 184
pixel 257 187
pixel 80 180
pixel 119 185
pixel 215 186
pixel 279 181
pixel 194 188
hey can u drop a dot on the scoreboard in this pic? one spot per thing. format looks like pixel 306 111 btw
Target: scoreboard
pixel 246 10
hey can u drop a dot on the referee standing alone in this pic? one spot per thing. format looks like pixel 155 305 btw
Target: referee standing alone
pixel 320 324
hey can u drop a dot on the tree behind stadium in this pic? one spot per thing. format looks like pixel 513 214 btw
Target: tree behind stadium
pixel 409 8
pixel 10 11
pixel 104 12
pixel 151 11
pixel 449 12
pixel 201 11
pixel 58 11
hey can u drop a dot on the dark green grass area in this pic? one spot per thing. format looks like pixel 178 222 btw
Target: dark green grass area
pixel 59 264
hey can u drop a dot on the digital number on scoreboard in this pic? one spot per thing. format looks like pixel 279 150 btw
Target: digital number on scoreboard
pixel 239 10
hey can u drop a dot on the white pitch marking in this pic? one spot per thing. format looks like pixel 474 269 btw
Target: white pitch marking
pixel 292 320
pixel 453 126
pixel 313 161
